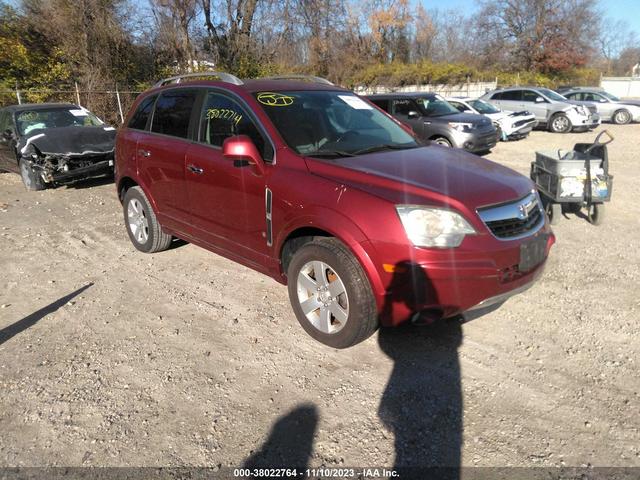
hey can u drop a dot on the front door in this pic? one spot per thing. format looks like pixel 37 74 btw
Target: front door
pixel 406 110
pixel 227 198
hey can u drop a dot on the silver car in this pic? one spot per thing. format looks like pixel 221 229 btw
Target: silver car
pixel 610 107
pixel 551 110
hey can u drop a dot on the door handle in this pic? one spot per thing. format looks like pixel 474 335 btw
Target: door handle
pixel 194 169
pixel 145 153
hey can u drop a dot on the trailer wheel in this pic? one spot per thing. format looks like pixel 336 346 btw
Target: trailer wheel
pixel 596 213
pixel 554 210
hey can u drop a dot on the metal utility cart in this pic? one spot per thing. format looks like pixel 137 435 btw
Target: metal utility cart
pixel 571 180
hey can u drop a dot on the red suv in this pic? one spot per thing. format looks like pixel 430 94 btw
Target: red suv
pixel 319 189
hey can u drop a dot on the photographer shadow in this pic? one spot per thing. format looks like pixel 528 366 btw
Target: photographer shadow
pixel 422 401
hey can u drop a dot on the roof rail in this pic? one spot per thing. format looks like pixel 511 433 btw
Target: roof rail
pixel 225 77
pixel 310 78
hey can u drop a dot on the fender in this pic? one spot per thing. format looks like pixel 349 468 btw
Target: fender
pixel 342 228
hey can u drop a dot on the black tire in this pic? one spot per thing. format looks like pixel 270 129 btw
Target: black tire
pixel 621 117
pixel 560 123
pixel 442 141
pixel 499 134
pixel 554 211
pixel 596 213
pixel 362 318
pixel 31 179
pixel 153 239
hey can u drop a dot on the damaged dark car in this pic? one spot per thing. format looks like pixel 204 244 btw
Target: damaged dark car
pixel 53 143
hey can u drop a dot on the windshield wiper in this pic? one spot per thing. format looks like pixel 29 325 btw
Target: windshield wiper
pixel 386 146
pixel 331 153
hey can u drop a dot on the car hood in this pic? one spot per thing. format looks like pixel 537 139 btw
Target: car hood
pixel 464 118
pixel 71 141
pixel 438 174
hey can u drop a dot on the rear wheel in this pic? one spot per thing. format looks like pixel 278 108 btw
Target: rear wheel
pixel 441 141
pixel 596 213
pixel 32 180
pixel 621 117
pixel 331 295
pixel 560 123
pixel 142 225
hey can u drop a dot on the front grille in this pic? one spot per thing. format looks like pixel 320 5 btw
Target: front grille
pixel 514 219
pixel 519 123
pixel 514 227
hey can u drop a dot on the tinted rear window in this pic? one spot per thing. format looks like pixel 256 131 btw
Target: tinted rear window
pixel 511 95
pixel 139 119
pixel 172 113
pixel 381 103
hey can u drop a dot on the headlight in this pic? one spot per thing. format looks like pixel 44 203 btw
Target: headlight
pixel 433 227
pixel 462 127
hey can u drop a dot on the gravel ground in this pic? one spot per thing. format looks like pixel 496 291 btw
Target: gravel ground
pixel 110 357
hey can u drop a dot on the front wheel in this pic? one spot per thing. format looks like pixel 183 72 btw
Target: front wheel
pixel 560 123
pixel 442 141
pixel 142 224
pixel 32 180
pixel 331 295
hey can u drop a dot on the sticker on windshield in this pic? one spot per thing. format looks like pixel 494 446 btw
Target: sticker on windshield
pixel 355 102
pixel 273 99
pixel 78 113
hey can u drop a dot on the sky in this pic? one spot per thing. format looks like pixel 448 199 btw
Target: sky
pixel 627 10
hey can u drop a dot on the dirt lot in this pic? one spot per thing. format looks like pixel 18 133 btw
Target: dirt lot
pixel 112 357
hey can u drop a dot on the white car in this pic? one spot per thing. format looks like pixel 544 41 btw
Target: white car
pixel 610 107
pixel 510 125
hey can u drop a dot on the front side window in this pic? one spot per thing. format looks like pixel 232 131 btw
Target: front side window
pixel 461 107
pixel 28 121
pixel 610 96
pixel 382 103
pixel 172 113
pixel 404 106
pixel 222 117
pixel 5 122
pixel 332 124
pixel 140 118
pixel 530 96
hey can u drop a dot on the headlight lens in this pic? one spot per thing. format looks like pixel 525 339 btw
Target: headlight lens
pixel 462 127
pixel 433 227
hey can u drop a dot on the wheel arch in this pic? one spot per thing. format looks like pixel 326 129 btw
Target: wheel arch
pixel 334 226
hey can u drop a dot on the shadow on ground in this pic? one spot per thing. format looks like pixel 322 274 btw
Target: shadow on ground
pixel 30 320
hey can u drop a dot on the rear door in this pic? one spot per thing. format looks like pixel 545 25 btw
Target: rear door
pixel 227 198
pixel 510 100
pixel 161 155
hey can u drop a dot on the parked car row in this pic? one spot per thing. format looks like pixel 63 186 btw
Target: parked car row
pixel 358 209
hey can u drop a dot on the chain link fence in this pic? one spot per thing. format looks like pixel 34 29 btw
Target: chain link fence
pixel 110 105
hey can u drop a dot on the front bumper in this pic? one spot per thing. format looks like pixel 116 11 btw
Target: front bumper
pixel 97 168
pixel 589 123
pixel 476 141
pixel 483 271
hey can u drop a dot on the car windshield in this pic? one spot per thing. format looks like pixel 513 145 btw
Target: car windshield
pixel 28 121
pixel 609 96
pixel 436 106
pixel 332 124
pixel 552 95
pixel 484 107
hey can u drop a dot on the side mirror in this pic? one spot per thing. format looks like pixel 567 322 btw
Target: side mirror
pixel 539 100
pixel 413 114
pixel 602 100
pixel 243 152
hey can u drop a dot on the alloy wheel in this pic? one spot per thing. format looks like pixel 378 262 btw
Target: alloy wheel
pixel 138 222
pixel 323 297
